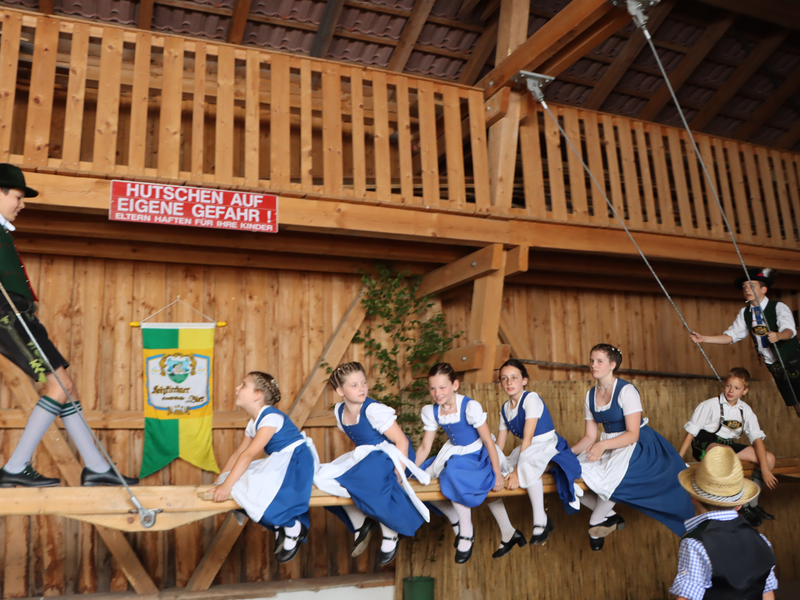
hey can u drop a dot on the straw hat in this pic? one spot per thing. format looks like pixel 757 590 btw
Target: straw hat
pixel 719 480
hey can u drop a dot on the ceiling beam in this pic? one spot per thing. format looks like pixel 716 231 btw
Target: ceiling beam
pixel 467 6
pixel 626 56
pixel 46 7
pixel 240 12
pixel 781 12
pixel 743 73
pixel 327 25
pixel 768 108
pixel 146 14
pixel 591 38
pixel 480 54
pixel 573 20
pixel 688 64
pixel 410 34
pixel 790 138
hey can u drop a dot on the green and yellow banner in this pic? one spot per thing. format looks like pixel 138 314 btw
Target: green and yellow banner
pixel 178 409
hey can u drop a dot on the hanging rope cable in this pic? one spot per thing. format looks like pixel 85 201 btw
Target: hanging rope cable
pixel 641 22
pixel 535 88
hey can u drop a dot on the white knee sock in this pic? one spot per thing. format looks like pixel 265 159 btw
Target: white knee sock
pixel 465 520
pixel 603 510
pixel 387 545
pixel 356 517
pixel 536 495
pixel 501 516
pixel 292 531
pixel 447 509
pixel 82 437
pixel 42 416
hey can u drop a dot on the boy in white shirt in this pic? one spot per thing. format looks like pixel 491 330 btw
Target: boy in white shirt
pixel 718 422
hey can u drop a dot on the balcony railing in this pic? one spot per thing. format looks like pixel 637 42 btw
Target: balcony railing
pixel 76 98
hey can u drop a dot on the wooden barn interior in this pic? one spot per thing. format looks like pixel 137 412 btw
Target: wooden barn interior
pixel 393 131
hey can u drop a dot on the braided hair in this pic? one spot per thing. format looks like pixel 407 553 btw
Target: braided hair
pixel 612 352
pixel 340 373
pixel 266 384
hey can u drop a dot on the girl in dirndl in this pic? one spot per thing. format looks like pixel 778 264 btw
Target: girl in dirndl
pixel 468 465
pixel 374 475
pixel 526 416
pixel 631 463
pixel 273 491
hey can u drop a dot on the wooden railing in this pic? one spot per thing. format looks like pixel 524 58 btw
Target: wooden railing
pixel 114 102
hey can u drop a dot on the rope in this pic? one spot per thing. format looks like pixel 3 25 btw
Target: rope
pixel 541 100
pixel 146 516
pixel 713 189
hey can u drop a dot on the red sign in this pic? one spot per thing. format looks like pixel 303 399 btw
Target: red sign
pixel 193 207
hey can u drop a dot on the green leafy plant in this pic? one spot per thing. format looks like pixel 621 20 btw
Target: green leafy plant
pixel 414 339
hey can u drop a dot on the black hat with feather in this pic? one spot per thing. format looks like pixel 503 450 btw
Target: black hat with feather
pixel 766 276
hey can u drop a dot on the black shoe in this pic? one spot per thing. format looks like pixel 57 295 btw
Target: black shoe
pixel 28 477
pixel 505 547
pixel 287 555
pixel 462 557
pixel 542 537
pixel 363 534
pixel 279 538
pixel 750 516
pixel 596 543
pixel 384 558
pixel 89 478
pixel 759 510
pixel 455 541
pixel 611 524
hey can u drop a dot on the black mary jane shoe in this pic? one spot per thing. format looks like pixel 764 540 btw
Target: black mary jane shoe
pixel 287 555
pixel 750 516
pixel 363 534
pixel 280 536
pixel 28 477
pixel 91 478
pixel 384 558
pixel 462 557
pixel 505 547
pixel 759 510
pixel 612 523
pixel 596 544
pixel 542 537
pixel 454 525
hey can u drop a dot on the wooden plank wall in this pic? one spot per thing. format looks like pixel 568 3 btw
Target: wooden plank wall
pixel 638 563
pixel 278 321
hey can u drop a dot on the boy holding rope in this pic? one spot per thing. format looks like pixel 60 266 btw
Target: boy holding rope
pixel 19 348
pixel 772 328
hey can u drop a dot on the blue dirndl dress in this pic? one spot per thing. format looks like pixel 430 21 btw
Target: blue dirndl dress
pixel 276 490
pixel 462 465
pixel 650 481
pixel 547 446
pixel 372 482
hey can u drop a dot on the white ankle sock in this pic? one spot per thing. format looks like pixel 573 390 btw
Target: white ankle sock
pixel 501 516
pixel 292 531
pixel 448 511
pixel 388 545
pixel 465 521
pixel 42 416
pixel 536 496
pixel 356 517
pixel 82 437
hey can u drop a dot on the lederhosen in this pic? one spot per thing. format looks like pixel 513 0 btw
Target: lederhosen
pixel 15 344
pixel 789 351
pixel 740 574
pixel 704 438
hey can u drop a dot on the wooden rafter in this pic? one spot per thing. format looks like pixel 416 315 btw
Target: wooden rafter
pixel 467 6
pixel 790 138
pixel 46 6
pixel 478 264
pixel 410 34
pixel 626 56
pixel 781 12
pixel 790 85
pixel 240 12
pixel 739 77
pixel 327 25
pixel 568 24
pixel 480 54
pixel 146 14
pixel 687 65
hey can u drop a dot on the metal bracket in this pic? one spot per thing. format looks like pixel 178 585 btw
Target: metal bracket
pixel 147 516
pixel 636 9
pixel 534 81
